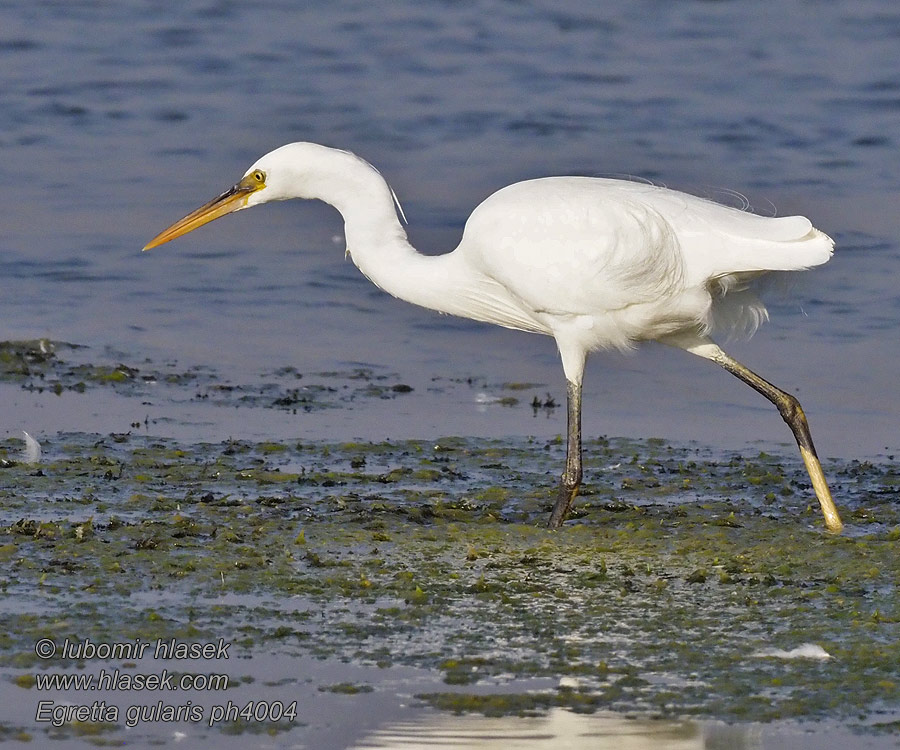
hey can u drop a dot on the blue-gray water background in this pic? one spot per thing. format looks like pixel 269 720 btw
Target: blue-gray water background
pixel 117 118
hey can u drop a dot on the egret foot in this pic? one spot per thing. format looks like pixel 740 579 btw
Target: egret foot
pixel 571 478
pixel 790 410
pixel 566 495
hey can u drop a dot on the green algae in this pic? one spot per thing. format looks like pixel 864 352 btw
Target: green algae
pixel 346 688
pixel 660 597
pixel 58 367
pixel 23 361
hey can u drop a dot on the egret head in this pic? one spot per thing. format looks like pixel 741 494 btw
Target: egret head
pixel 244 193
pixel 297 170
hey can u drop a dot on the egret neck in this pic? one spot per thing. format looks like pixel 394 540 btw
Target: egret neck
pixel 376 240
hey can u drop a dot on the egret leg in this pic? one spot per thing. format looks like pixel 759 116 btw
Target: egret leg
pixel 792 413
pixel 571 477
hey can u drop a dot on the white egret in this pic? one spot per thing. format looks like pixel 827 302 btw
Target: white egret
pixel 595 263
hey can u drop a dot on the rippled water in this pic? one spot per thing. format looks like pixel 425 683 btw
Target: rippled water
pixel 118 118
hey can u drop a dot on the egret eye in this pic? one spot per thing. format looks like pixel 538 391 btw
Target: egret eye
pixel 259 176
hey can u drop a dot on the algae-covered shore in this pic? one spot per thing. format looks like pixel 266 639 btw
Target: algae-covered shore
pixel 689 585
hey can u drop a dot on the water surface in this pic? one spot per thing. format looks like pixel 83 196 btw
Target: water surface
pixel 118 119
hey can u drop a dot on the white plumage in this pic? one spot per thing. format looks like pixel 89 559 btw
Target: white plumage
pixel 32 452
pixel 626 260
pixel 595 263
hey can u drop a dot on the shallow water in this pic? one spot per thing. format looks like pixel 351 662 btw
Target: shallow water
pixel 119 118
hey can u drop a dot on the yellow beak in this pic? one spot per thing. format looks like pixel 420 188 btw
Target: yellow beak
pixel 231 200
